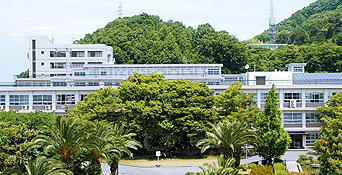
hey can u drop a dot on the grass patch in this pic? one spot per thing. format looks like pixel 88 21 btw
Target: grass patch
pixel 309 169
pixel 166 162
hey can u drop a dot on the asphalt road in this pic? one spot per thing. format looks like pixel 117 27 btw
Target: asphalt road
pixel 291 155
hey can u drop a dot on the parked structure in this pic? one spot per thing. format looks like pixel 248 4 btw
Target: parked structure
pixel 299 93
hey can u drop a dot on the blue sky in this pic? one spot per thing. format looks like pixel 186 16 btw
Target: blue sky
pixel 69 20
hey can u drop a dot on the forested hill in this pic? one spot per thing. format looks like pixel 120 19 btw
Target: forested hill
pixel 317 23
pixel 146 39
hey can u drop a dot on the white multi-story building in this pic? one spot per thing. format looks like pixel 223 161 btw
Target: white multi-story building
pixel 50 88
pixel 48 60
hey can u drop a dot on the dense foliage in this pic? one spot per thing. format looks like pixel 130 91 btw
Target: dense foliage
pixel 168 115
pixel 317 23
pixel 325 57
pixel 273 140
pixel 146 39
pixel 229 138
pixel 329 144
pixel 234 104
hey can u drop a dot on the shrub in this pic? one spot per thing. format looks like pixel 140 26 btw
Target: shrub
pixel 280 173
pixel 243 167
pixel 251 165
pixel 262 170
pixel 279 167
pixel 303 157
pixel 300 161
pixel 93 170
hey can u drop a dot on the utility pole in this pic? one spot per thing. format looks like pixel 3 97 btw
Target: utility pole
pixel 272 24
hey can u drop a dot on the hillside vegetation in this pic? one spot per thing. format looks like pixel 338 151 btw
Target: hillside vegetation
pixel 317 23
pixel 314 35
pixel 146 39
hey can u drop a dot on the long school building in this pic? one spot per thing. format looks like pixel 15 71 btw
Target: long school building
pixel 85 68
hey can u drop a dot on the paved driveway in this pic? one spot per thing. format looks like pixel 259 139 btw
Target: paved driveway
pixel 291 155
pixel 130 170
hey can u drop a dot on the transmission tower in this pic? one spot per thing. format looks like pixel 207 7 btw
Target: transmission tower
pixel 272 24
pixel 120 10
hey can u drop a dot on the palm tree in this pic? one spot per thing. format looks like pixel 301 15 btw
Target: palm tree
pixel 229 138
pixel 65 138
pixel 223 167
pixel 106 141
pixel 41 166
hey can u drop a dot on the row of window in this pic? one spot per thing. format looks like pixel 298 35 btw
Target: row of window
pixel 17 100
pixel 310 97
pixel 75 53
pixel 296 118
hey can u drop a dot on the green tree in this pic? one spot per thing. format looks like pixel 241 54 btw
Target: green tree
pixel 234 104
pixel 229 138
pixel 222 167
pixel 98 105
pixel 24 74
pixel 273 140
pixel 329 144
pixel 41 166
pixel 65 138
pixel 107 140
pixel 16 132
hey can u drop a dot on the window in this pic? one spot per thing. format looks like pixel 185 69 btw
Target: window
pixel 108 58
pixel 103 72
pixel 77 54
pixel 2 100
pixel 94 62
pixel 58 65
pixel 17 100
pixel 82 97
pixel 314 97
pixel 312 118
pixel 33 44
pixel 298 69
pixel 42 63
pixel 42 99
pixel 213 71
pixel 263 98
pixel 42 52
pixel 311 138
pixel 292 96
pixel 77 64
pixel 65 99
pixel 34 55
pixel 59 84
pixel 260 80
pixel 80 83
pixel 213 83
pixel 93 83
pixel 79 74
pixel 57 53
pixel 94 53
pixel 292 118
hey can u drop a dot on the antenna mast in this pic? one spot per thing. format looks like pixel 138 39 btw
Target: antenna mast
pixel 120 10
pixel 272 24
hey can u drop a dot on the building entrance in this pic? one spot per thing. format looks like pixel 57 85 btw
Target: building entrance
pixel 297 142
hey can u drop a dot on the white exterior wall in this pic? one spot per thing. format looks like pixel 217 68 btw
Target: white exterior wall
pixel 44 47
pixel 276 78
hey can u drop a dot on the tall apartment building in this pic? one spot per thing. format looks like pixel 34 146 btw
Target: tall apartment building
pixel 63 74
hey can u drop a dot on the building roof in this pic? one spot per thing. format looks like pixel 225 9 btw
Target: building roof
pixel 317 78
